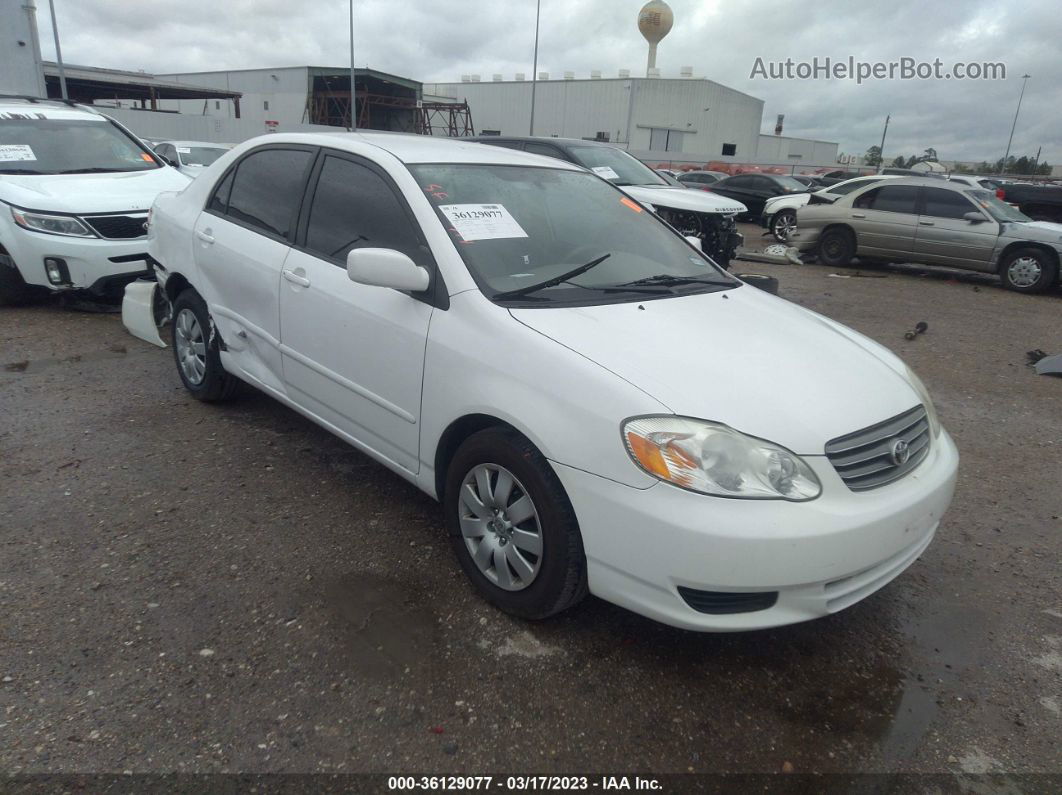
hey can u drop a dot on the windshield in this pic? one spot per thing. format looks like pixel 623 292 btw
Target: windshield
pixel 68 146
pixel 999 210
pixel 615 165
pixel 199 155
pixel 519 226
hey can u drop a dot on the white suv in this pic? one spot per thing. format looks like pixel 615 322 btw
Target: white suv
pixel 75 188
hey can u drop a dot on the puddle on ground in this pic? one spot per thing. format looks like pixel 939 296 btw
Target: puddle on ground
pixel 391 631
pixel 28 366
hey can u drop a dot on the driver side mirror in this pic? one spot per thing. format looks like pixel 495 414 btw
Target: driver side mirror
pixel 385 267
pixel 974 218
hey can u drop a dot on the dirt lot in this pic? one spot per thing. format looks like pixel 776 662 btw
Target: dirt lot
pixel 186 587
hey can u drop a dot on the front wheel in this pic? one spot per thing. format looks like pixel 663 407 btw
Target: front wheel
pixel 1028 270
pixel 836 248
pixel 512 526
pixel 783 225
pixel 196 351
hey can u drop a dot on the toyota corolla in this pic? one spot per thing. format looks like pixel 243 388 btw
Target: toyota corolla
pixel 597 405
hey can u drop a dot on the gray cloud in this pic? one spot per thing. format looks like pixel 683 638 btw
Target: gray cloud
pixel 433 41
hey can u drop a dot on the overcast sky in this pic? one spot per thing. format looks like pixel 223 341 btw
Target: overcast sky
pixel 431 41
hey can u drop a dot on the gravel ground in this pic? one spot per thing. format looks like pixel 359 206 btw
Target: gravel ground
pixel 197 588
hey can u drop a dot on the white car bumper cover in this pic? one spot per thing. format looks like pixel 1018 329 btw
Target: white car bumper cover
pixel 820 556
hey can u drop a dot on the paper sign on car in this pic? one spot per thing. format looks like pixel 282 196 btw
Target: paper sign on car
pixel 10 153
pixel 605 171
pixel 482 221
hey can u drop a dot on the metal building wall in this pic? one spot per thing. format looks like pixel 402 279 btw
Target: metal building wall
pixel 285 90
pixel 796 151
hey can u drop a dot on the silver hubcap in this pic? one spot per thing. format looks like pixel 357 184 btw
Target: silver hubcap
pixel 500 527
pixel 1024 272
pixel 191 348
pixel 784 225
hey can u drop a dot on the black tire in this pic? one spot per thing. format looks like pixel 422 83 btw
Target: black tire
pixel 13 288
pixel 780 219
pixel 215 385
pixel 560 581
pixel 1017 278
pixel 837 247
pixel 768 284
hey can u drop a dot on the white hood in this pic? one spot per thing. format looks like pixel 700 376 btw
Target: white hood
pixel 684 199
pixel 755 362
pixel 80 194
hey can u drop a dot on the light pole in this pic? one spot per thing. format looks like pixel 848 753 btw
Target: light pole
pixel 353 102
pixel 58 52
pixel 534 70
pixel 881 149
pixel 1003 165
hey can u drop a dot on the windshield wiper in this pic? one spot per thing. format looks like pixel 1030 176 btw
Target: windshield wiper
pixel 96 170
pixel 19 171
pixel 667 280
pixel 531 288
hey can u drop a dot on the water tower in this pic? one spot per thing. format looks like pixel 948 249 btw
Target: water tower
pixel 655 21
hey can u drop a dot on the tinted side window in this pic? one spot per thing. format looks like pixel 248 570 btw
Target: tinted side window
pixel 266 191
pixel 890 198
pixel 220 201
pixel 739 182
pixel 946 203
pixel 842 190
pixel 353 207
pixel 543 149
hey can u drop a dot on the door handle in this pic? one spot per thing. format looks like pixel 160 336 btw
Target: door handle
pixel 926 223
pixel 295 278
pixel 206 237
pixel 859 215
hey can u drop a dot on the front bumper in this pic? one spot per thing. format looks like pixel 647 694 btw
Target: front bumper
pixel 91 264
pixel 820 557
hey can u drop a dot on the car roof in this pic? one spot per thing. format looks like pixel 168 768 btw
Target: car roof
pixel 410 148
pixel 47 108
pixel 542 139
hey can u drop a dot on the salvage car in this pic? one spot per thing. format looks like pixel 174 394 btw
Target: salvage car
pixel 75 188
pixel 701 180
pixel 935 222
pixel 599 407
pixel 753 190
pixel 780 213
pixel 709 218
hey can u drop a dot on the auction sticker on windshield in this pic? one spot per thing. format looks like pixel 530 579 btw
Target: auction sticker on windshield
pixel 605 171
pixel 482 221
pixel 10 153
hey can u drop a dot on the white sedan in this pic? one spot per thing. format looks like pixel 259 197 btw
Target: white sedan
pixel 780 213
pixel 598 406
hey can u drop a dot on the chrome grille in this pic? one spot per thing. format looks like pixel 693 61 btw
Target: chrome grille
pixel 121 226
pixel 865 459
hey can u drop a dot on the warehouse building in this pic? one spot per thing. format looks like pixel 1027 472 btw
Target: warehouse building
pixel 685 119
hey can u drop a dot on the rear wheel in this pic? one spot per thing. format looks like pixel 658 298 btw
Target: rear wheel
pixel 1028 270
pixel 196 351
pixel 836 248
pixel 512 526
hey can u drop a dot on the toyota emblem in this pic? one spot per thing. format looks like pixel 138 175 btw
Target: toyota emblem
pixel 900 452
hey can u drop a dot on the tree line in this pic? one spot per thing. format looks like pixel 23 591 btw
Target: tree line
pixel 1024 165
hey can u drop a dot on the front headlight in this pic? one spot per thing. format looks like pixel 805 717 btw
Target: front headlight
pixel 927 401
pixel 51 224
pixel 711 458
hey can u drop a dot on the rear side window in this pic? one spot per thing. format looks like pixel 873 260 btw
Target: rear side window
pixel 946 203
pixel 890 199
pixel 354 207
pixel 266 190
pixel 842 190
pixel 543 149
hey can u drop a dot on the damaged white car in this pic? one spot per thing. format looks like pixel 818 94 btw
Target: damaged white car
pixel 597 405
